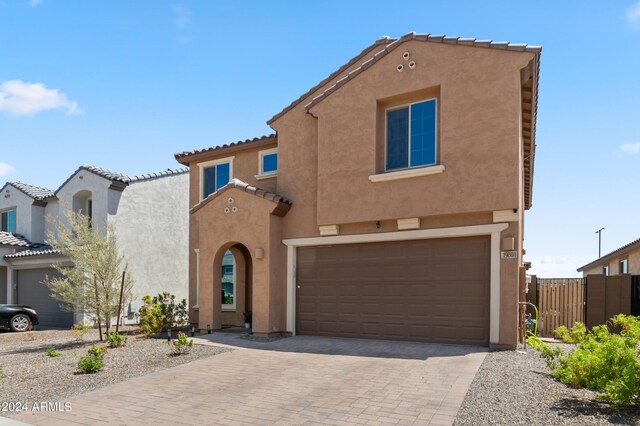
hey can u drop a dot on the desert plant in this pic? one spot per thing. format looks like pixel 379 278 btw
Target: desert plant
pixel 116 340
pixel 94 280
pixel 161 312
pixel 248 317
pixel 90 364
pixel 575 335
pixel 2 376
pixel 79 330
pixel 182 345
pixel 51 352
pixel 602 361
pixel 97 351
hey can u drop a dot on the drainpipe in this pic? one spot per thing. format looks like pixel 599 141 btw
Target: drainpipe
pixel 9 284
pixel 197 305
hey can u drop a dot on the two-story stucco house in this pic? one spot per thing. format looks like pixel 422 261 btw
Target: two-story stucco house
pixel 389 203
pixel 149 214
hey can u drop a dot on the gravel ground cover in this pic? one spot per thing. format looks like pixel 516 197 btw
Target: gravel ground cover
pixel 513 388
pixel 33 377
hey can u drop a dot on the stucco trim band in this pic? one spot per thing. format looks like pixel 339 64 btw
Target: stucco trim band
pixel 493 230
pixel 405 174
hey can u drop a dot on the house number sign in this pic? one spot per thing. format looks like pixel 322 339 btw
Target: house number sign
pixel 509 254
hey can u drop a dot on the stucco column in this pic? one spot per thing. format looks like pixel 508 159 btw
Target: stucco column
pixel 9 284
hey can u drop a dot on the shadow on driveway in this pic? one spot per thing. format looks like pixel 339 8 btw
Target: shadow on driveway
pixel 340 346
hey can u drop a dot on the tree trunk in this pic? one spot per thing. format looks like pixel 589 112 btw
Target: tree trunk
pixel 95 286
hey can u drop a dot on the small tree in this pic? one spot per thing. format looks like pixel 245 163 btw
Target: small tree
pixel 93 281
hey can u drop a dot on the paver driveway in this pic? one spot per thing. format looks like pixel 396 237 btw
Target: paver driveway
pixel 297 380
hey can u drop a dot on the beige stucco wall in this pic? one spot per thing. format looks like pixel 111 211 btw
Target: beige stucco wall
pixel 254 227
pixel 325 161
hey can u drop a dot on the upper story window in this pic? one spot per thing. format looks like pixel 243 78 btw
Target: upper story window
pixel 8 219
pixel 214 175
pixel 411 135
pixel 605 270
pixel 268 163
pixel 623 266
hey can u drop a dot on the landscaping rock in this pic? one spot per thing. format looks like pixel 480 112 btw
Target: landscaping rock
pixel 514 388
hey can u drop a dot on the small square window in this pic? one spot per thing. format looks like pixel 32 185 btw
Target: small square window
pixel 623 266
pixel 267 163
pixel 215 175
pixel 8 219
pixel 411 135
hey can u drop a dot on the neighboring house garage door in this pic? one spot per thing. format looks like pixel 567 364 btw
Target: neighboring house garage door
pixel 433 290
pixel 31 292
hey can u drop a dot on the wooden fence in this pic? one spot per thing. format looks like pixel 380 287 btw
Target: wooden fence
pixel 560 302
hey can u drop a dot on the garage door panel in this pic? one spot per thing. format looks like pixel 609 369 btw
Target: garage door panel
pixel 32 292
pixel 428 290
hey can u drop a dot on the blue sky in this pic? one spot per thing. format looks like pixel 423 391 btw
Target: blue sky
pixel 124 85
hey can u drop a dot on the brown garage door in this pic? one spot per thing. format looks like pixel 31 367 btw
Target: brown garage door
pixel 425 290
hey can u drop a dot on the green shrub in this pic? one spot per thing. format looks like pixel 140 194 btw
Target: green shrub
pixel 51 352
pixel 116 340
pixel 97 351
pixel 90 364
pixel 182 345
pixel 2 376
pixel 161 313
pixel 602 361
pixel 79 330
pixel 575 335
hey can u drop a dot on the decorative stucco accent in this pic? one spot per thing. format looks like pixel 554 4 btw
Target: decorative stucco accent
pixel 505 216
pixel 283 204
pixel 411 223
pixel 329 230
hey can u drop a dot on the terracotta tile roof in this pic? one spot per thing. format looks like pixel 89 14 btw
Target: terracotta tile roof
pixel 186 154
pixel 168 172
pixel 395 43
pixel 633 244
pixel 38 250
pixel 122 178
pixel 16 240
pixel 283 203
pixel 35 192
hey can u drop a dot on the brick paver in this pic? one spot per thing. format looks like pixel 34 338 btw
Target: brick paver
pixel 298 380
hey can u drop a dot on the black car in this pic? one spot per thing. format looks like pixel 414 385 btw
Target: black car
pixel 17 317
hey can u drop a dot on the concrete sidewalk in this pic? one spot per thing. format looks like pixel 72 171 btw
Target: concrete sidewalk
pixel 297 380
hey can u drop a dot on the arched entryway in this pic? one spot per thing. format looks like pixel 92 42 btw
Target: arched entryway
pixel 233 267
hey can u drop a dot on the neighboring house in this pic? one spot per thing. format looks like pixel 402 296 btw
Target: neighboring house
pixel 625 260
pixel 150 217
pixel 389 204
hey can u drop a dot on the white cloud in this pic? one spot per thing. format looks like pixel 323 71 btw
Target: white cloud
pixel 633 14
pixel 20 98
pixel 631 148
pixel 556 267
pixel 182 16
pixel 5 169
pixel 35 3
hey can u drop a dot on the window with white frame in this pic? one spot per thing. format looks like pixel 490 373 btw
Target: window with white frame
pixel 214 175
pixel 411 135
pixel 623 266
pixel 8 220
pixel 605 270
pixel 228 281
pixel 268 163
